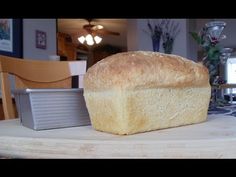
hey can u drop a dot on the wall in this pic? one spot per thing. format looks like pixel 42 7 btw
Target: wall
pixel 29 49
pixel 140 40
pixel 192 46
pixel 132 35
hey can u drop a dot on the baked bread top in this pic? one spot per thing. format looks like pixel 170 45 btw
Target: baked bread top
pixel 143 69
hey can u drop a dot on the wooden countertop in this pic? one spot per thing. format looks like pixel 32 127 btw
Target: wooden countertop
pixel 228 86
pixel 215 138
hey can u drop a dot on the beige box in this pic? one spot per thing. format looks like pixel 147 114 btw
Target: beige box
pixel 140 91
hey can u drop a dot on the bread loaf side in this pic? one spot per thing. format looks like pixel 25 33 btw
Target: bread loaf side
pixel 142 91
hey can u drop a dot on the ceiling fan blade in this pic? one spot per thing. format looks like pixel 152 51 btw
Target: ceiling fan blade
pixel 88 26
pixel 98 29
pixel 106 32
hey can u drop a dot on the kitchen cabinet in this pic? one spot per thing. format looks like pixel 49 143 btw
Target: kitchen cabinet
pixel 65 47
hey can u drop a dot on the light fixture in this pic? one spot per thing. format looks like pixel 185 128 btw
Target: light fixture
pixel 90 39
pixel 99 27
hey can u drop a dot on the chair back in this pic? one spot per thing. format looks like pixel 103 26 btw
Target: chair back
pixel 36 74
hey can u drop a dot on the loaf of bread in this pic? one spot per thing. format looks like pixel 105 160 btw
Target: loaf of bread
pixel 139 91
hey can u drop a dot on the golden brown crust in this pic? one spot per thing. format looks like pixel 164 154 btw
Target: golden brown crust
pixel 142 69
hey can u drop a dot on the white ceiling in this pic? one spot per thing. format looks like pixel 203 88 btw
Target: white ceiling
pixel 74 27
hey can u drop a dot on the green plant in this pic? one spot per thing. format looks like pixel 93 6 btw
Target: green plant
pixel 155 32
pixel 211 49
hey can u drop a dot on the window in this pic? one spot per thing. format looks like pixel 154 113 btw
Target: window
pixel 231 72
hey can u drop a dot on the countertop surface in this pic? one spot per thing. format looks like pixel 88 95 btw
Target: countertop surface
pixel 215 138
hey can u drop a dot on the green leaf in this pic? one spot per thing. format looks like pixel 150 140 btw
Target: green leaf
pixel 213 53
pixel 196 37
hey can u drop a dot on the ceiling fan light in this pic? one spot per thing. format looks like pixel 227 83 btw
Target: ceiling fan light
pixel 89 37
pixel 81 39
pixel 100 27
pixel 90 42
pixel 97 39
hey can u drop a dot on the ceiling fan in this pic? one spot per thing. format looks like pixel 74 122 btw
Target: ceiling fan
pixel 94 33
pixel 97 29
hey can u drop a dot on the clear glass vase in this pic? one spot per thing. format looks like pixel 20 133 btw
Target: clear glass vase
pixel 156 44
pixel 168 46
pixel 213 69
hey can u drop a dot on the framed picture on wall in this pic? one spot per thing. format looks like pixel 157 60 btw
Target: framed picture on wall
pixel 41 39
pixel 11 43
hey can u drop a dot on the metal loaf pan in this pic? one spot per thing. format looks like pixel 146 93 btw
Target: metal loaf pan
pixel 41 109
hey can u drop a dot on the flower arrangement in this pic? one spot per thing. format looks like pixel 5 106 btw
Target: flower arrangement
pixel 209 40
pixel 155 32
pixel 171 30
pixel 209 43
pixel 165 29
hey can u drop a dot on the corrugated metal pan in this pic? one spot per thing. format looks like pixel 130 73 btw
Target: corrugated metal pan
pixel 41 109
